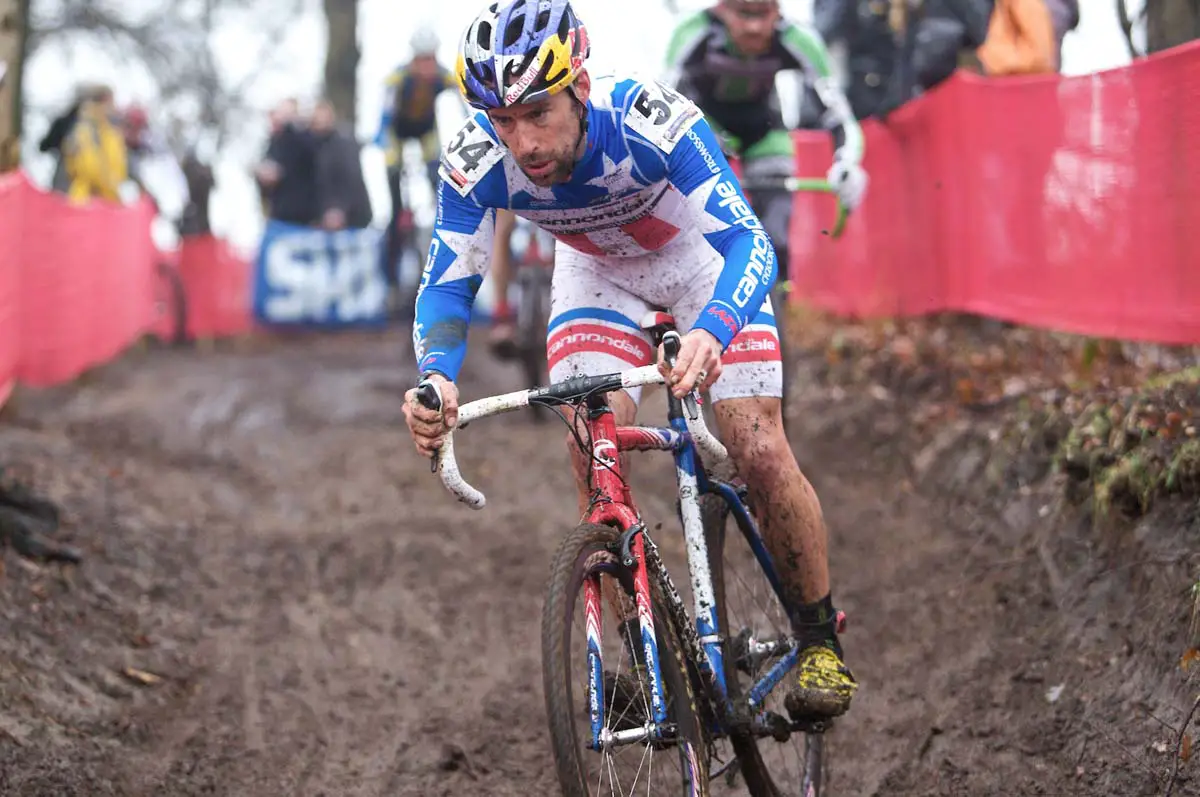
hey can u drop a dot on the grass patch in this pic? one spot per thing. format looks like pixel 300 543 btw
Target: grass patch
pixel 1124 451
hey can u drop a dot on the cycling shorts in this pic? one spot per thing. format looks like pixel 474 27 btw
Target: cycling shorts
pixel 597 306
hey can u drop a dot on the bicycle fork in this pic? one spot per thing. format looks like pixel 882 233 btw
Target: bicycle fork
pixel 656 727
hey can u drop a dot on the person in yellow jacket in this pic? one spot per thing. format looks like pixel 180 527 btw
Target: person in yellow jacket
pixel 1020 40
pixel 94 151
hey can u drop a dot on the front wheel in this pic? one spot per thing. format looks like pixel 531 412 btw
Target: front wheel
pixel 751 618
pixel 588 573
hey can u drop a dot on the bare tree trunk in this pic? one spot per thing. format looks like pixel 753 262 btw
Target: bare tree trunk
pixel 1171 22
pixel 14 29
pixel 341 58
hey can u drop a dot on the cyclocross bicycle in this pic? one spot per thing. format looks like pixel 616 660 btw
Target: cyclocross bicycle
pixel 641 698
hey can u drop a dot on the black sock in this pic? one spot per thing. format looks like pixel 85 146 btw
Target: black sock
pixel 815 624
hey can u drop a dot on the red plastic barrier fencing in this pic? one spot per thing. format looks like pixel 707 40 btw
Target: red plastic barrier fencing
pixel 217 284
pixel 85 282
pixel 10 322
pixel 79 283
pixel 1056 202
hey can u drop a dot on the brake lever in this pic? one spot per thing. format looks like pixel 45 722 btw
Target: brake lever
pixel 671 345
pixel 429 396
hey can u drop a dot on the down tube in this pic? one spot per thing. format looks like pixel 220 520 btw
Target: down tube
pixel 697 555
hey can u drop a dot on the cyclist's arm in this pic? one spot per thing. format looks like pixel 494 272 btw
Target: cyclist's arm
pixel 683 149
pixel 807 50
pixel 454 270
pixel 459 249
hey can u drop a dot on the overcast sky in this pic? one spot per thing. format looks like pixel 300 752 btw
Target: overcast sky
pixel 627 35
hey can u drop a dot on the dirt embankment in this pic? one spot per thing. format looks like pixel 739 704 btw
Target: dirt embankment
pixel 1073 483
pixel 278 598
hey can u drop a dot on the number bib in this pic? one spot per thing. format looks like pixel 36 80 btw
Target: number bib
pixel 469 157
pixel 661 115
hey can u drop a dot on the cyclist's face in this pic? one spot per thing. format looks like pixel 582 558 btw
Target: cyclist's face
pixel 750 24
pixel 424 66
pixel 543 135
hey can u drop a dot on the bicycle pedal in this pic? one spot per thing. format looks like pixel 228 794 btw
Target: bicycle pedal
pixel 814 724
pixel 780 728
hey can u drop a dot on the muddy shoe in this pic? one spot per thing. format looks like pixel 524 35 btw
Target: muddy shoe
pixel 824 685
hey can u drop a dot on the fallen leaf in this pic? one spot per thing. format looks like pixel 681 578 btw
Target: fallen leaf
pixel 1190 656
pixel 1185 749
pixel 967 393
pixel 141 676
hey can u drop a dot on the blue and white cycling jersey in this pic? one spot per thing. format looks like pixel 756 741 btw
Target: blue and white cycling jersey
pixel 651 171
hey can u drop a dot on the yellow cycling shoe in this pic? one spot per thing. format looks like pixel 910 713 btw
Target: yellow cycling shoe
pixel 824 685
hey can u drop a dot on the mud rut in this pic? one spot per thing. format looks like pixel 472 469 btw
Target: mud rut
pixel 328 621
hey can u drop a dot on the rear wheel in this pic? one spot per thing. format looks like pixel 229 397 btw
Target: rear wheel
pixel 750 614
pixel 677 766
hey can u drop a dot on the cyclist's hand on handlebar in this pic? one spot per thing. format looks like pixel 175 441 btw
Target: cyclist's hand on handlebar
pixel 698 364
pixel 429 426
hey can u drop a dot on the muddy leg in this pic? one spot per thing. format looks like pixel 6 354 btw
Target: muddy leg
pixel 785 504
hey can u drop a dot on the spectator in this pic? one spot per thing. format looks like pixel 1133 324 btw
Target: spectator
pixel 1020 39
pixel 1065 15
pixel 287 175
pixel 862 28
pixel 200 182
pixel 135 125
pixel 60 128
pixel 93 151
pixel 341 191
pixel 896 49
pixel 150 160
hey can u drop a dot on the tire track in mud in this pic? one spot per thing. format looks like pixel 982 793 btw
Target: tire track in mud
pixel 332 622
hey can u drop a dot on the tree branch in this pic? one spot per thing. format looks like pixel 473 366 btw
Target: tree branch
pixel 1179 749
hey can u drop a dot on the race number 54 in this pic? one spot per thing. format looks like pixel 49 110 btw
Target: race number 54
pixel 469 155
pixel 656 109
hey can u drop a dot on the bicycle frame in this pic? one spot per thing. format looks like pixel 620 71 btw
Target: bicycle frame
pixel 613 505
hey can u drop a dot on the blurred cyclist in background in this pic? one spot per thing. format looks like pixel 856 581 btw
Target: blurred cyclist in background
pixel 725 59
pixel 409 115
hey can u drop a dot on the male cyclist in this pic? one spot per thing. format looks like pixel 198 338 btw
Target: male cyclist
pixel 629 179
pixel 725 59
pixel 409 115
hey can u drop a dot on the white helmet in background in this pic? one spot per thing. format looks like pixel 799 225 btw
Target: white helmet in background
pixel 424 42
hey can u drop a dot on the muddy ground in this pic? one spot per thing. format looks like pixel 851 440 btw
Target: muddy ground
pixel 279 599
